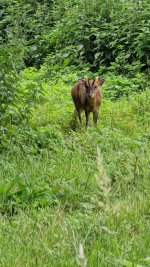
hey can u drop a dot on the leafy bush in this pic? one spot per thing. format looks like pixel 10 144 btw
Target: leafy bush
pixel 101 34
pixel 18 98
pixel 117 86
pixel 98 33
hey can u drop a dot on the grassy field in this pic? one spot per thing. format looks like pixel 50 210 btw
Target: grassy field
pixel 77 196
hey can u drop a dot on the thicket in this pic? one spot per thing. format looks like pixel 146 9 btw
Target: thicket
pixel 97 33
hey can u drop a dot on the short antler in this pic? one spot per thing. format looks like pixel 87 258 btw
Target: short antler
pixel 87 81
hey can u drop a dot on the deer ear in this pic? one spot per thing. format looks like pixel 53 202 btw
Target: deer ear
pixel 101 81
pixel 81 81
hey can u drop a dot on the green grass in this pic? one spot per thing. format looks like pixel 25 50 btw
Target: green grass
pixel 55 198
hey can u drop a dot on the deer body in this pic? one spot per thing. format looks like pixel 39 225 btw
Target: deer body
pixel 87 97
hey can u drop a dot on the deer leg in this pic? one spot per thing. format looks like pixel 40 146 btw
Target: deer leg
pixel 95 117
pixel 87 115
pixel 78 113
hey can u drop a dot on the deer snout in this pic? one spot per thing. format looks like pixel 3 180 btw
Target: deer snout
pixel 90 94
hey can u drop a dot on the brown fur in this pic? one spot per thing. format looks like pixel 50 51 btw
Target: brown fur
pixel 87 97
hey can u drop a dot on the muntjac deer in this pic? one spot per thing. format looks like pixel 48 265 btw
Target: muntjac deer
pixel 87 97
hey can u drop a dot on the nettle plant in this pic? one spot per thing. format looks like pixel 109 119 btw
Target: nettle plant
pixel 17 97
pixel 117 86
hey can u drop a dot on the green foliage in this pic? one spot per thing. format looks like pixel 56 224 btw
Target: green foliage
pixel 98 33
pixel 117 86
pixel 25 24
pixel 18 99
pixel 9 79
pixel 63 202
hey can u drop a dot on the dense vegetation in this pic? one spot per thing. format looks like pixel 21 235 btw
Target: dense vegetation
pixel 71 195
